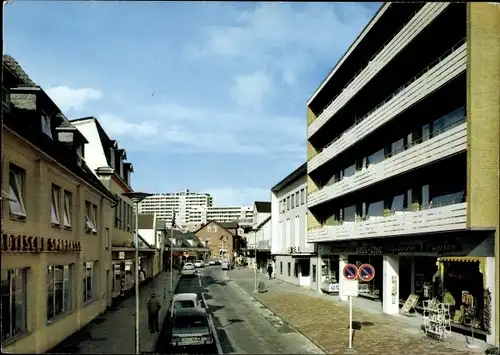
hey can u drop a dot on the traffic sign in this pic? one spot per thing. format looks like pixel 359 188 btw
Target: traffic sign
pixel 351 272
pixel 366 272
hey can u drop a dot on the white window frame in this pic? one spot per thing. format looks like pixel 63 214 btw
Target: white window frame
pixel 214 229
pixel 89 226
pixel 10 333
pixel 68 197
pixel 16 192
pixel 46 125
pixel 86 266
pixel 93 215
pixel 67 280
pixel 55 215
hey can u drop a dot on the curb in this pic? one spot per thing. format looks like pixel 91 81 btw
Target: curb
pixel 280 317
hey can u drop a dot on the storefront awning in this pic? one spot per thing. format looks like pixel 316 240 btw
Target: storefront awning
pixel 467 259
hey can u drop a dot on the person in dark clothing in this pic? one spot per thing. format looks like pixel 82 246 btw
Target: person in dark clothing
pixel 154 307
pixel 270 269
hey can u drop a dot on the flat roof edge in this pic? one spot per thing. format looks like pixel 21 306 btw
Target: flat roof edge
pixel 353 45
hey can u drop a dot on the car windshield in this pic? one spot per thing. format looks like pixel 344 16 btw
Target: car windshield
pixel 183 304
pixel 194 321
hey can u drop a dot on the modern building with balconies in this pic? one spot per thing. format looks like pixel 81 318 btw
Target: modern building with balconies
pixel 403 160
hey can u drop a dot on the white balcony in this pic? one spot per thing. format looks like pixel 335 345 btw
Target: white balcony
pixel 442 219
pixel 447 68
pixel 448 143
pixel 412 29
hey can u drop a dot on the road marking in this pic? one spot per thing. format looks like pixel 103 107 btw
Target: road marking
pixel 211 323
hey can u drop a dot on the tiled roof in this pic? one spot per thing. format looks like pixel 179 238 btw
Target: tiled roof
pixel 16 69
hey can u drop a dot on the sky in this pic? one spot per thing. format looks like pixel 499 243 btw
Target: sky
pixel 206 96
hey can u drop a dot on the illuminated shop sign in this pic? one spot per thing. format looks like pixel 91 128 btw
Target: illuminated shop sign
pixel 369 249
pixel 31 244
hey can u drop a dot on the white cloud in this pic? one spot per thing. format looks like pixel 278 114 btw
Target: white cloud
pixel 250 90
pixel 117 126
pixel 236 196
pixel 67 98
pixel 284 38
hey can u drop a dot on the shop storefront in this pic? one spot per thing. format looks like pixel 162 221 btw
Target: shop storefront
pixel 457 269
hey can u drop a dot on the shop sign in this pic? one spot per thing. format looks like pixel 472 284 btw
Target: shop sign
pixel 371 249
pixel 26 243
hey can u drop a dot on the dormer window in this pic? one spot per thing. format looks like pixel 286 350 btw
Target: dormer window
pixel 46 125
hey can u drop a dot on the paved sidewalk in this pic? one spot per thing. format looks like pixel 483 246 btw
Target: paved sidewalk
pixel 113 332
pixel 324 321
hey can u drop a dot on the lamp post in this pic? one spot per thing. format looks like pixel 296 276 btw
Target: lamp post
pixel 172 253
pixel 136 197
pixel 255 269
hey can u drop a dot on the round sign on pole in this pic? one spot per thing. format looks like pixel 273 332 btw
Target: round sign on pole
pixel 366 272
pixel 351 272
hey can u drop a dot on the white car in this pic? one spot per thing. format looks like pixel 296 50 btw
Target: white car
pixel 188 270
pixel 199 263
pixel 185 300
pixel 211 262
pixel 226 265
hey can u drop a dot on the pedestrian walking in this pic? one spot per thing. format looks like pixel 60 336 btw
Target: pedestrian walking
pixel 270 269
pixel 154 307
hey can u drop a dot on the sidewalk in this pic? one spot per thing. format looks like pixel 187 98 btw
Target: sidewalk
pixel 113 332
pixel 325 321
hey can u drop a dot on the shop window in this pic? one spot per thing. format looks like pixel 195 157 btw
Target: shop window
pixel 16 191
pixel 314 273
pixel 89 225
pixel 90 281
pixel 281 267
pixel 59 296
pixel 14 306
pixel 296 269
pixel 54 206
pixel 289 269
pixel 304 267
pixel 68 207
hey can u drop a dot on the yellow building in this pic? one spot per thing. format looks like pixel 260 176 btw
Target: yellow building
pixel 404 158
pixel 56 223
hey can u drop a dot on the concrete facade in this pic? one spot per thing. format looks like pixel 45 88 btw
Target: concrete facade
pixel 470 68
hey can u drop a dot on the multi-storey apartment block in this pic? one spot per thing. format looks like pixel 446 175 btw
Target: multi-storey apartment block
pixel 56 222
pixel 183 204
pixel 403 159
pixel 289 246
pixel 221 214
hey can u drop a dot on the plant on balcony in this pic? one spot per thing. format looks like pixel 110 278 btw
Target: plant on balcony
pixel 387 212
pixel 415 207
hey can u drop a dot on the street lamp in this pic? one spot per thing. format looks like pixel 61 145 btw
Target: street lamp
pixel 255 251
pixel 136 197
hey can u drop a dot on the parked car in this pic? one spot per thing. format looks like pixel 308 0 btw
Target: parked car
pixel 185 300
pixel 188 270
pixel 211 262
pixel 190 328
pixel 226 264
pixel 199 263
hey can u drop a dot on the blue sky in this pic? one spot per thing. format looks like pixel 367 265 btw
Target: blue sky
pixel 209 96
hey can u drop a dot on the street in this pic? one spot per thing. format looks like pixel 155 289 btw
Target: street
pixel 243 325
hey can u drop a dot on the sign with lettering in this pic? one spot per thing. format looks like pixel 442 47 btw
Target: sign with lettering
pixel 32 244
pixel 373 249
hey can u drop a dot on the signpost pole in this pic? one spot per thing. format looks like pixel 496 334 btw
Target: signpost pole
pixel 350 322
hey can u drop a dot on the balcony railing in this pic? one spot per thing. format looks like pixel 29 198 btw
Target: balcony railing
pixel 428 13
pixel 354 133
pixel 450 140
pixel 448 216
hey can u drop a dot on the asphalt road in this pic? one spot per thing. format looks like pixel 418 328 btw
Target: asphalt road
pixel 185 285
pixel 243 325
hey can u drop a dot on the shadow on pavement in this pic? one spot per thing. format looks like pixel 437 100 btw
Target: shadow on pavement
pixel 225 343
